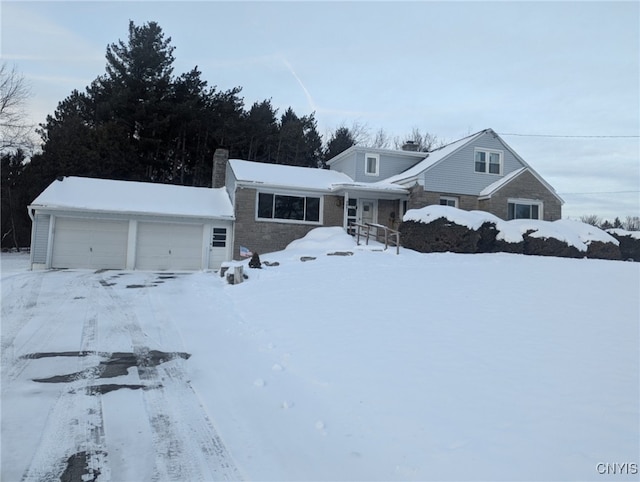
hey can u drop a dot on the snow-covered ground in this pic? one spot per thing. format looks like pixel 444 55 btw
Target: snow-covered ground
pixel 374 366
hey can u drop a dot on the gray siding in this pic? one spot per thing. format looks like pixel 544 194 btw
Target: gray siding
pixel 346 166
pixel 41 224
pixel 456 174
pixel 391 163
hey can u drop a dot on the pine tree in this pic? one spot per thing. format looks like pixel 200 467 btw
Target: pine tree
pixel 340 141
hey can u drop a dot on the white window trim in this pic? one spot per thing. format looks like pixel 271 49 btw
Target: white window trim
pixel 487 163
pixel 377 158
pixel 451 198
pixel 528 202
pixel 289 221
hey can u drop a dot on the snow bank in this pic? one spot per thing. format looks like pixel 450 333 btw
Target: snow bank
pixel 574 233
pixel 622 232
pixel 323 240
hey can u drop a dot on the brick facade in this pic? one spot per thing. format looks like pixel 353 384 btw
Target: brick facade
pixel 419 198
pixel 269 236
pixel 524 186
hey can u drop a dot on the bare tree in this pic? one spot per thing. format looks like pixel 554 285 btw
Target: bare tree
pixel 632 223
pixel 15 132
pixel 381 140
pixel 592 219
pixel 424 142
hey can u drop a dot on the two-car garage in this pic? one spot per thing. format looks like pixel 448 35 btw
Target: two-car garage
pixel 142 226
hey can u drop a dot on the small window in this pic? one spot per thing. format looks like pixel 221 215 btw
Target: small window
pixel 449 201
pixel 488 161
pixel 219 238
pixel 523 209
pixel 372 164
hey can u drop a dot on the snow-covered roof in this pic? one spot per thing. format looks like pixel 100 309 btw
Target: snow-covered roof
pixel 106 195
pixel 376 150
pixel 279 175
pixel 302 178
pixel 493 187
pixel 433 157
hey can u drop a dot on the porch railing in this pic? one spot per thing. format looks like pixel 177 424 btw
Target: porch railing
pixel 390 236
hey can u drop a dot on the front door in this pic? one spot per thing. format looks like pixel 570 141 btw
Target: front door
pixel 367 211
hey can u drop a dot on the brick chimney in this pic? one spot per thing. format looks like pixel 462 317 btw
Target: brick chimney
pixel 411 146
pixel 219 172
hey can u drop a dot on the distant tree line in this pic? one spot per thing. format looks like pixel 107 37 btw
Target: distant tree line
pixel 140 121
pixel 631 223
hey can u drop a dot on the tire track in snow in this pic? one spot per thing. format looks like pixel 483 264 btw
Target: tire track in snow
pixel 42 320
pixel 75 424
pixel 187 446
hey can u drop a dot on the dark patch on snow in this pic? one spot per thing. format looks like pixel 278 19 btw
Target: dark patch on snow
pixel 105 283
pixel 78 297
pixel 139 286
pixel 110 387
pixel 118 364
pixel 77 469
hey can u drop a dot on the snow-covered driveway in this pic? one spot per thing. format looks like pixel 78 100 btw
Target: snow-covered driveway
pixel 95 384
pixel 370 366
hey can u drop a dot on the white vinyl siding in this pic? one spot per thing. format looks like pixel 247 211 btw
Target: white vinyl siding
pixel 89 243
pixel 40 238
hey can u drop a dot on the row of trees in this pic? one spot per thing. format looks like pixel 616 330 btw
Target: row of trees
pixel 140 121
pixel 631 223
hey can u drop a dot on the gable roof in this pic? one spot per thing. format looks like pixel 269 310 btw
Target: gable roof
pixel 259 174
pixel 106 195
pixel 434 157
pixel 491 189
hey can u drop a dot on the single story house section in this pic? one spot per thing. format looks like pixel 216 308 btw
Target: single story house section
pixel 275 204
pixel 106 224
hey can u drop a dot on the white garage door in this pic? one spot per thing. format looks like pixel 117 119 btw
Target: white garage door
pixel 89 243
pixel 164 246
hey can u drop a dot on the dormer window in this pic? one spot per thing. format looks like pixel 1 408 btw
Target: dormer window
pixel 488 161
pixel 372 164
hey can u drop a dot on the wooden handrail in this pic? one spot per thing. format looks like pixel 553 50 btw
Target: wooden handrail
pixel 389 234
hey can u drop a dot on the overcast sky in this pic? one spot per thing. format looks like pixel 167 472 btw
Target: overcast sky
pixel 537 69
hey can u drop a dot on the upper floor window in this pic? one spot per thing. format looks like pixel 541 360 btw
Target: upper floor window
pixel 488 161
pixel 372 164
pixel 524 209
pixel 295 208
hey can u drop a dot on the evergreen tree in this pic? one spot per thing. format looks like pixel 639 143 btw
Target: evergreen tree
pixel 261 132
pixel 15 222
pixel 340 141
pixel 135 94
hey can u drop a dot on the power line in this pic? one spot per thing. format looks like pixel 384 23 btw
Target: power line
pixel 599 192
pixel 562 136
